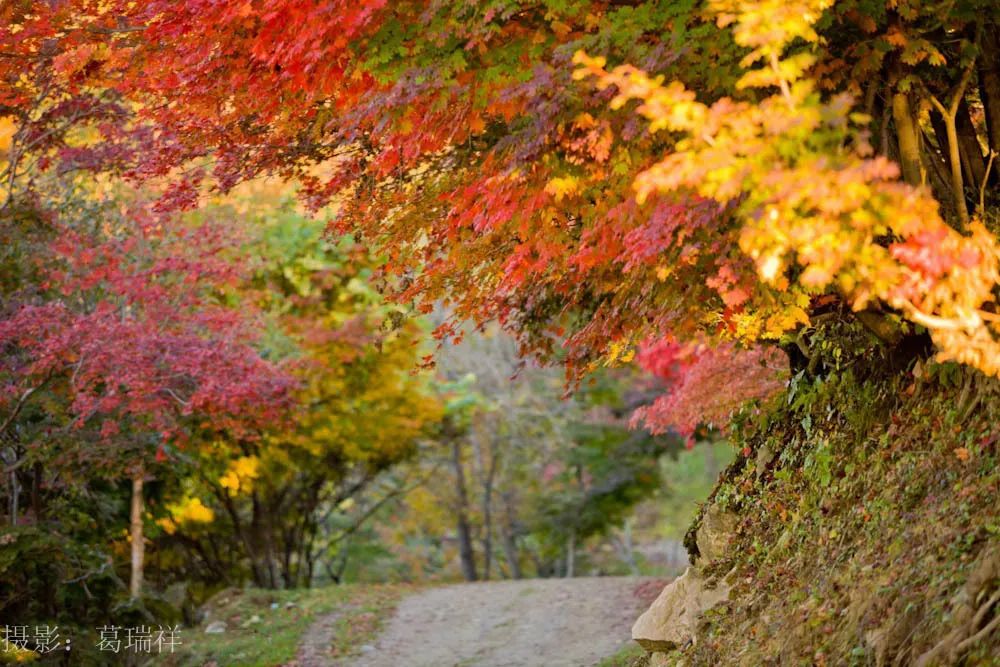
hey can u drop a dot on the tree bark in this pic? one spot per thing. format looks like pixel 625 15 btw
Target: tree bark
pixel 907 138
pixel 989 81
pixel 955 162
pixel 571 553
pixel 242 531
pixel 13 498
pixel 138 538
pixel 972 150
pixel 948 114
pixel 491 470
pixel 509 542
pixel 36 492
pixel 465 551
pixel 937 164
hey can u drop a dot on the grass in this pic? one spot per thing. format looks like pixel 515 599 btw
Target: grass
pixel 264 628
pixel 630 655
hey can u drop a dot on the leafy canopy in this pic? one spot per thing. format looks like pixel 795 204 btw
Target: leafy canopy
pixel 742 197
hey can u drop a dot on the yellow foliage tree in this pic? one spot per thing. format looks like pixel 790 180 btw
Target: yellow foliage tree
pixel 817 210
pixel 359 409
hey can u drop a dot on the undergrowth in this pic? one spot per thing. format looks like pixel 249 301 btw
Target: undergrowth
pixel 266 628
pixel 869 532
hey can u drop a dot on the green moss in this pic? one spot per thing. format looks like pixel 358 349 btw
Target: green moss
pixel 630 655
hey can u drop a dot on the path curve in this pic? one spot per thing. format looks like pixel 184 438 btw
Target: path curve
pixel 526 623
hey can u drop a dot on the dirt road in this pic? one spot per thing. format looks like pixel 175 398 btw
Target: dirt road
pixel 528 623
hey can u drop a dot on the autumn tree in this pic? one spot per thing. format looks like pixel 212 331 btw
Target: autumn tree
pixel 275 500
pixel 114 343
pixel 458 145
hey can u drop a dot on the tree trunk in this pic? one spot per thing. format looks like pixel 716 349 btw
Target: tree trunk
pixel 465 551
pixel 626 550
pixel 972 150
pixel 510 553
pixel 887 139
pixel 36 492
pixel 490 474
pixel 264 532
pixel 907 138
pixel 955 163
pixel 13 498
pixel 9 457
pixel 949 114
pixel 243 532
pixel 138 539
pixel 937 164
pixel 509 542
pixel 570 553
pixel 989 81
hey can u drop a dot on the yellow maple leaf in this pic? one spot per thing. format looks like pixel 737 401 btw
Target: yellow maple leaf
pixel 8 128
pixel 562 186
pixel 188 510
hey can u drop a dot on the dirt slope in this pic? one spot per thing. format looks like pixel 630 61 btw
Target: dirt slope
pixel 528 623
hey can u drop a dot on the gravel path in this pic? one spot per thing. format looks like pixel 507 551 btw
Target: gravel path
pixel 527 623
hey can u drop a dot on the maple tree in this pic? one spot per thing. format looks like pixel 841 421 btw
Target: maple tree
pixel 124 334
pixel 458 124
pixel 116 346
pixel 455 141
pixel 693 375
pixel 822 204
pixel 357 412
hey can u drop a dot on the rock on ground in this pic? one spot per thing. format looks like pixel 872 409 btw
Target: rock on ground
pixel 215 628
pixel 673 617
